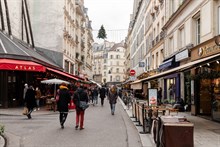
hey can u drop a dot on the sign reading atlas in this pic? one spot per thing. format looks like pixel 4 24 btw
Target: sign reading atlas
pixel 203 51
pixel 21 67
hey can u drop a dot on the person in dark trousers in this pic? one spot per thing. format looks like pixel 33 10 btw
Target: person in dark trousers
pixel 112 96
pixel 30 101
pixel 102 93
pixel 80 95
pixel 95 94
pixel 62 103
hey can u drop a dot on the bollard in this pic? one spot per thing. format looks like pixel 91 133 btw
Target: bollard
pixel 145 124
pixel 135 112
pixel 139 123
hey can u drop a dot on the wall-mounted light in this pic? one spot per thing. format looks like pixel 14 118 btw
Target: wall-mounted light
pixel 208 64
pixel 200 66
pixel 217 62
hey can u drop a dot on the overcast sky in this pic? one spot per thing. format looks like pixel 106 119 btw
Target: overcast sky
pixel 114 15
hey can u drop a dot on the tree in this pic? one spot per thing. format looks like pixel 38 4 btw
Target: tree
pixel 102 34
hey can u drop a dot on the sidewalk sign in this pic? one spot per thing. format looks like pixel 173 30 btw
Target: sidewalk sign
pixel 152 97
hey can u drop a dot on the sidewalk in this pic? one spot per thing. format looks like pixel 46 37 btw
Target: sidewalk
pixel 206 132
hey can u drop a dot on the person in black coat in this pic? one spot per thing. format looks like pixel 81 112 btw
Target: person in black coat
pixel 30 101
pixel 102 93
pixel 62 103
pixel 80 95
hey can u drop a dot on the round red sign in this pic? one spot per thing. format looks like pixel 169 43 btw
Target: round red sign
pixel 132 72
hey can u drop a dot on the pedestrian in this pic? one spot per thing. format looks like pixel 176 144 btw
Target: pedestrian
pixel 30 101
pixel 62 103
pixel 37 97
pixel 113 98
pixel 102 93
pixel 90 95
pixel 159 95
pixel 95 94
pixel 80 95
pixel 25 90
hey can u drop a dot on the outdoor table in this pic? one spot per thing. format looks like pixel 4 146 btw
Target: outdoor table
pixel 175 131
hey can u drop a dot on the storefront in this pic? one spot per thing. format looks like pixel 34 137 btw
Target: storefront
pixel 206 78
pixel 20 64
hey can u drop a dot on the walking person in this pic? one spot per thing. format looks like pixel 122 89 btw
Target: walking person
pixel 62 103
pixel 112 98
pixel 37 97
pixel 30 101
pixel 102 93
pixel 80 95
pixel 95 94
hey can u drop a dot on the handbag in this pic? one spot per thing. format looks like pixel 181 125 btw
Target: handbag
pixel 71 105
pixel 82 104
pixel 58 95
pixel 25 111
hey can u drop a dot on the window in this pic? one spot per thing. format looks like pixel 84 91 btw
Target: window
pixel 105 61
pixel 117 78
pixel 118 56
pixel 111 78
pixel 117 62
pixel 104 66
pixel 117 70
pixel 111 57
pixel 218 20
pixel 198 30
pixel 171 45
pixel 181 37
pixel 66 66
pixel 104 73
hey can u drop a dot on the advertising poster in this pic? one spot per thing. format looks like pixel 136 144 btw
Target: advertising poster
pixel 152 97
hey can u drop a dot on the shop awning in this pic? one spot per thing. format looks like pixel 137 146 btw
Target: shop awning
pixel 21 65
pixel 62 73
pixel 136 85
pixel 183 67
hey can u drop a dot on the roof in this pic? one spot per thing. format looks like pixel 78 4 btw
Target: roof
pixel 13 48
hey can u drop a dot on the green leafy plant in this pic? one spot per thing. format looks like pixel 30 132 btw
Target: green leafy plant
pixel 2 129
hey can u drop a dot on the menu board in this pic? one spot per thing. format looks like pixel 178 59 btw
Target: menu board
pixel 152 97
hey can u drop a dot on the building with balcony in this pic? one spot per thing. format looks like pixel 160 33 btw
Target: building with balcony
pixel 181 51
pixel 62 26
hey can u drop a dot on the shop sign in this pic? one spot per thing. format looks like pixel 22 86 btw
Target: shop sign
pixel 23 67
pixel 204 51
pixel 141 64
pixel 182 55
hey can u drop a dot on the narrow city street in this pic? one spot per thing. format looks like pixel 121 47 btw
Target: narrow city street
pixel 101 129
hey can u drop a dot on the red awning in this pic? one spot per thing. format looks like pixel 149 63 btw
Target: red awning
pixel 9 64
pixel 63 73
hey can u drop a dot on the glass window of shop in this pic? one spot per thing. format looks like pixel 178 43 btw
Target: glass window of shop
pixel 171 90
pixel 209 101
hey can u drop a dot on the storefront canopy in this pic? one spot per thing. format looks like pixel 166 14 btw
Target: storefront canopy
pixel 182 67
pixel 63 73
pixel 21 65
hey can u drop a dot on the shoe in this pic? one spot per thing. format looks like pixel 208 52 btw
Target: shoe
pixel 112 113
pixel 62 127
pixel 76 127
pixel 81 128
pixel 38 109
pixel 35 109
pixel 29 116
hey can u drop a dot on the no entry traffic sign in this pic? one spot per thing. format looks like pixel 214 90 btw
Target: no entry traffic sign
pixel 132 72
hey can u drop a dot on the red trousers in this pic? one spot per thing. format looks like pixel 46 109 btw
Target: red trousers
pixel 80 117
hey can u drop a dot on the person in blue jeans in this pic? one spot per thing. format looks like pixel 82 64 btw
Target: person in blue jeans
pixel 112 96
pixel 95 94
